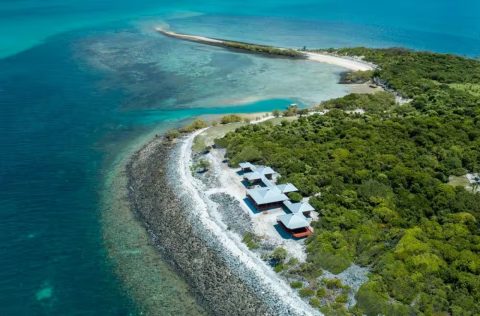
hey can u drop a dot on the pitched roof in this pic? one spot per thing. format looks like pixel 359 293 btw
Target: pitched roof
pixel 250 176
pixel 247 165
pixel 287 188
pixel 294 221
pixel 263 170
pixel 266 195
pixel 298 207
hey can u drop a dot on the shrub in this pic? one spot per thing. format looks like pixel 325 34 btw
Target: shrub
pixel 250 240
pixel 278 256
pixel 342 298
pixel 172 134
pixel 291 110
pixel 295 196
pixel 292 262
pixel 306 292
pixel 279 268
pixel 315 302
pixel 321 292
pixel 372 299
pixel 231 118
pixel 356 76
pixel 296 284
pixel 333 283
pixel 248 153
pixel 195 125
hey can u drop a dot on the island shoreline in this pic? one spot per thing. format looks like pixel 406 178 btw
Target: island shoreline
pixel 279 52
pixel 190 247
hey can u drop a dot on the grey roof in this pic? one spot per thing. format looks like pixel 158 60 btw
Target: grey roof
pixel 263 170
pixel 267 195
pixel 287 188
pixel 252 176
pixel 294 221
pixel 298 207
pixel 247 165
pixel 257 173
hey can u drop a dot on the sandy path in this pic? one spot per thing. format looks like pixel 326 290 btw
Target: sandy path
pixel 232 245
pixel 351 64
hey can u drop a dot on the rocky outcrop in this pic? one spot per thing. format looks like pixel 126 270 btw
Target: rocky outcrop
pixel 162 211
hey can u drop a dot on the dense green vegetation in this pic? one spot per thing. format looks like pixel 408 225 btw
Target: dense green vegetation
pixel 356 76
pixel 385 201
pixel 372 103
pixel 231 118
pixel 263 49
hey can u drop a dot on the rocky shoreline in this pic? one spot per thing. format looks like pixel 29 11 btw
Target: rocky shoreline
pixel 221 282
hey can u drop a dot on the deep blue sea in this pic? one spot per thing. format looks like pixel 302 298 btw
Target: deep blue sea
pixel 79 80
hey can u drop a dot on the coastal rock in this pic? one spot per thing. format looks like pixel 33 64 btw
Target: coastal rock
pixel 221 282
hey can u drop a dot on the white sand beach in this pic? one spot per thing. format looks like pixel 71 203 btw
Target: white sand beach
pixel 232 245
pixel 351 64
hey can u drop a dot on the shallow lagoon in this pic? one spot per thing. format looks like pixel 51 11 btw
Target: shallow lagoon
pixel 72 100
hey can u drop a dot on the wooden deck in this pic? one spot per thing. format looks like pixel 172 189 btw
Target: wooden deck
pixel 302 234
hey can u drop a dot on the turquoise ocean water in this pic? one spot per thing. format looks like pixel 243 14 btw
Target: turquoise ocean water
pixel 81 79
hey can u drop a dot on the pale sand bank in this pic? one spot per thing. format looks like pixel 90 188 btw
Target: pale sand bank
pixel 351 64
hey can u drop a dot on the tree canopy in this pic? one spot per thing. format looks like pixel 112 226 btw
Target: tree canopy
pixel 385 201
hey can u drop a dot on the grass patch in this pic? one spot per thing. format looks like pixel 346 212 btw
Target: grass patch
pixel 306 292
pixel 461 181
pixel 471 88
pixel 251 241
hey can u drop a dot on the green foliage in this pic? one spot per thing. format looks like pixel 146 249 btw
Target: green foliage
pixel 296 284
pixel 172 134
pixel 467 87
pixel 330 250
pixel 292 262
pixel 295 196
pixel 342 298
pixel 201 166
pixel 278 256
pixel 231 118
pixel 306 292
pixel 385 202
pixel 279 268
pixel 315 302
pixel 371 103
pixel 436 82
pixel 308 270
pixel 251 241
pixel 195 125
pixel 276 113
pixel 333 283
pixel 292 110
pixel 356 77
pixel 373 300
pixel 248 153
pixel 262 49
pixel 321 292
